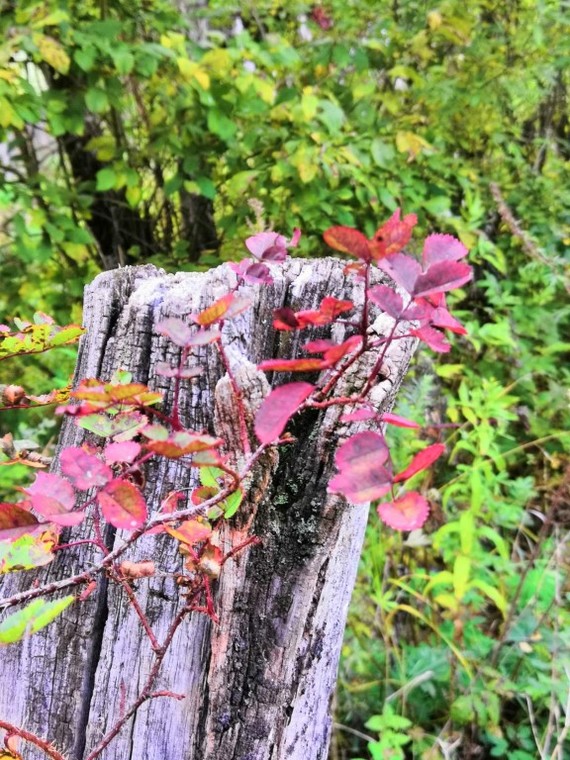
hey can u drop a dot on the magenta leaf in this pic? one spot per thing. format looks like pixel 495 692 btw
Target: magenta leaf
pixel 126 451
pixel 442 276
pixel 388 300
pixel 123 505
pixel 84 470
pixel 421 461
pixel 442 248
pixel 433 338
pixel 278 408
pixel 53 497
pixel 362 475
pixel 407 512
pixel 360 415
pixel 267 246
pixel 397 421
pixel 403 269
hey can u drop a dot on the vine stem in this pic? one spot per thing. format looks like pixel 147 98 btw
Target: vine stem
pixel 146 692
pixel 45 746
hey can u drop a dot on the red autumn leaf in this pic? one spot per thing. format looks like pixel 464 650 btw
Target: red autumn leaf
pixel 278 408
pixel 442 248
pixel 333 307
pixel 84 470
pixel 293 365
pixel 226 307
pixel 319 346
pixel 53 497
pixel 104 395
pixel 335 353
pixel 433 338
pixel 397 421
pixel 285 319
pixel 421 461
pixel 125 451
pixel 348 240
pixel 123 505
pixel 179 443
pixel 387 299
pixel 408 512
pixel 362 475
pixel 15 521
pixel 393 235
pixel 191 531
pixel 442 276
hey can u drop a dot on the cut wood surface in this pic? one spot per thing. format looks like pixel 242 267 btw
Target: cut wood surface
pixel 258 685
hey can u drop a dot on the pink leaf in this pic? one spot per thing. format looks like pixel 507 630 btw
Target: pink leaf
pixel 123 505
pixel 403 269
pixel 278 408
pixel 442 248
pixel 362 476
pixel 53 497
pixel 176 330
pixel 84 470
pixel 126 451
pixel 421 461
pixel 388 300
pixel 442 276
pixel 267 246
pixel 433 338
pixel 408 512
pixel 360 415
pixel 397 421
pixel 442 318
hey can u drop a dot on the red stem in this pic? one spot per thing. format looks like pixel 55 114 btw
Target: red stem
pixel 33 739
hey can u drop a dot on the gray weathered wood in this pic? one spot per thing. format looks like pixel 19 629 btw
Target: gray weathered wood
pixel 257 686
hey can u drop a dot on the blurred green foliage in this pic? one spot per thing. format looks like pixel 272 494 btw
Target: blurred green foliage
pixel 136 131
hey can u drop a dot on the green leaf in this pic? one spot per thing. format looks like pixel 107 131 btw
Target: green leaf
pixel 96 100
pixel 106 179
pixel 32 618
pixel 220 125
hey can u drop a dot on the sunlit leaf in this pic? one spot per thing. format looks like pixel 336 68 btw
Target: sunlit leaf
pixel 32 618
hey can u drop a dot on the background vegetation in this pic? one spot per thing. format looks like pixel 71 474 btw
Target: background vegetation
pixel 136 131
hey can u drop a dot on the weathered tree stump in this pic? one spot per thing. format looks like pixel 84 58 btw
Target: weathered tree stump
pixel 258 685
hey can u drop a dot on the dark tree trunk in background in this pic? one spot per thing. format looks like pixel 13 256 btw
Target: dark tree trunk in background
pixel 258 685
